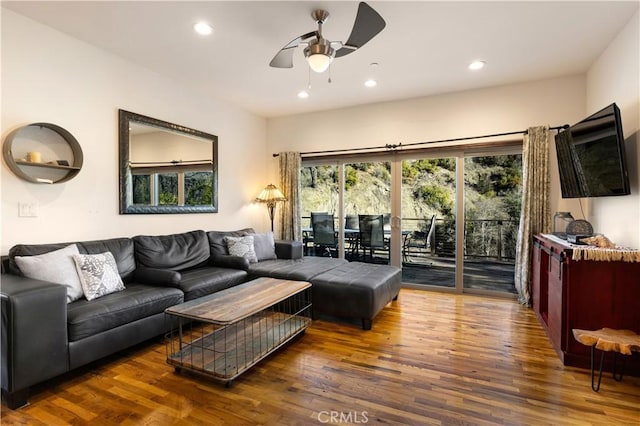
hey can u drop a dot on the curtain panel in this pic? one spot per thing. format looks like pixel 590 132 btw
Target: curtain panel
pixel 289 220
pixel 535 217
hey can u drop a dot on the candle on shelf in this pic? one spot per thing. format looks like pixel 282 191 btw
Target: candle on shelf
pixel 34 157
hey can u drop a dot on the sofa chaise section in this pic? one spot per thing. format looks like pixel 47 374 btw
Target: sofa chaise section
pixel 303 269
pixel 356 290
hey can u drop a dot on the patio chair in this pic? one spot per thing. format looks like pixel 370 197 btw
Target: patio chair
pixel 351 222
pixel 324 234
pixel 351 234
pixel 307 235
pixel 372 234
pixel 420 242
pixel 386 222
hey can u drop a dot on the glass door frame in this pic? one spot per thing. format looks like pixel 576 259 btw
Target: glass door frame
pixel 395 158
pixel 396 206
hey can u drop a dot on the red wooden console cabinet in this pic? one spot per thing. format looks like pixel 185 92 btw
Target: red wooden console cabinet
pixel 582 294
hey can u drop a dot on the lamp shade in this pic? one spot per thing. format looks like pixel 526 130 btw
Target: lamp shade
pixel 270 194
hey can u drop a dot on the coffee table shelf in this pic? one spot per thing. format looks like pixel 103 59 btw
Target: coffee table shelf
pixel 220 345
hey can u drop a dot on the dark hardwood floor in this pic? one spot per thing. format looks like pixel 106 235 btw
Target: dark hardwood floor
pixel 431 358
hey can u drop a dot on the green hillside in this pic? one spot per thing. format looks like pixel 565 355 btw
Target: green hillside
pixel 492 192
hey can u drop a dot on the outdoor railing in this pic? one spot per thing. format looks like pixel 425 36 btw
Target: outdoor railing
pixel 484 238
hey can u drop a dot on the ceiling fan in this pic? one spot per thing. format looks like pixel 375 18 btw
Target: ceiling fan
pixel 320 51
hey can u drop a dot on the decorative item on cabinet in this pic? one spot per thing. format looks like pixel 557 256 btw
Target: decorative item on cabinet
pixel 577 230
pixel 42 153
pixel 560 222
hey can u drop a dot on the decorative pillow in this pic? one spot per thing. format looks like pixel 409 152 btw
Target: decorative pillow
pixel 98 274
pixel 56 267
pixel 242 246
pixel 264 246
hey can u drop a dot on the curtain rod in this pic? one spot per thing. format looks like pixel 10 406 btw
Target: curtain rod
pixel 391 147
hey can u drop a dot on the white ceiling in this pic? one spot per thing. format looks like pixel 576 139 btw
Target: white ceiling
pixel 424 49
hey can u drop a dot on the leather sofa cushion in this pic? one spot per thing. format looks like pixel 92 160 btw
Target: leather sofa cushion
pixel 175 251
pixel 153 276
pixel 298 270
pixel 137 301
pixel 120 248
pixel 231 262
pixel 206 280
pixel 217 244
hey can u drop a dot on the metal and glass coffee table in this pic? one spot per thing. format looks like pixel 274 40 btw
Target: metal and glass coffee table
pixel 223 334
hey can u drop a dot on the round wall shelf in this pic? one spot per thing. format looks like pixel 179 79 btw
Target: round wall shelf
pixel 42 153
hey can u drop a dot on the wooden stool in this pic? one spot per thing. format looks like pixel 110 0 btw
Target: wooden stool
pixel 608 340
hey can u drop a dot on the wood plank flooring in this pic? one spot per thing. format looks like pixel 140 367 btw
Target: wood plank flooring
pixel 431 358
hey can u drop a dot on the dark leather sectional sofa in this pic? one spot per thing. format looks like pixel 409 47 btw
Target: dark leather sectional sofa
pixel 43 336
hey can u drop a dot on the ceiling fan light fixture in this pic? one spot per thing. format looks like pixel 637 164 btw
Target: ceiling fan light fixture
pixel 319 55
pixel 319 63
pixel 371 83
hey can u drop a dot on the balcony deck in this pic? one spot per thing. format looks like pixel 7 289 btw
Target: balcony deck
pixel 481 274
pixel 488 264
pixel 439 271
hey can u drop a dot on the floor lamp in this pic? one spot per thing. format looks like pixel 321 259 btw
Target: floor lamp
pixel 271 195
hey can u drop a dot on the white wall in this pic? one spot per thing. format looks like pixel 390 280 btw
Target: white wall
pixel 615 77
pixel 470 113
pixel 48 76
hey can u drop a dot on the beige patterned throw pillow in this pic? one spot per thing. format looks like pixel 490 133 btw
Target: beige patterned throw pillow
pixel 242 246
pixel 98 274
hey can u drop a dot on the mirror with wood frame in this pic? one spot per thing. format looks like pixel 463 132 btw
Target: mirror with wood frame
pixel 165 167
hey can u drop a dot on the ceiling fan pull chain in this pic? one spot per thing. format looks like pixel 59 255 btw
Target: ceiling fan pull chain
pixel 329 79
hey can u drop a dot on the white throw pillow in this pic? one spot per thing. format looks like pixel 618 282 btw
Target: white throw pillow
pixel 242 246
pixel 56 267
pixel 98 274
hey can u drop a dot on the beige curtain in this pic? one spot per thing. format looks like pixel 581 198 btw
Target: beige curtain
pixel 289 214
pixel 535 217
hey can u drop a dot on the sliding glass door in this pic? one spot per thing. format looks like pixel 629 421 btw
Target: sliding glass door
pixel 492 201
pixel 319 195
pixel 449 220
pixel 351 194
pixel 367 211
pixel 428 221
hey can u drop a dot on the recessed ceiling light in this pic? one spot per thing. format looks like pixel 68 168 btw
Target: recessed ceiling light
pixel 477 65
pixel 371 83
pixel 303 94
pixel 203 28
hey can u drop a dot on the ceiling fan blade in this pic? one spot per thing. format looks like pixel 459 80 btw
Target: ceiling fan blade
pixel 367 25
pixel 284 58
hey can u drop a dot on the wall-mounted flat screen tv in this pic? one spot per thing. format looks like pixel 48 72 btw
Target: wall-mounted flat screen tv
pixel 591 156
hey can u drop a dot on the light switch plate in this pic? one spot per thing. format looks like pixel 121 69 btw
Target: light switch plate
pixel 28 209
